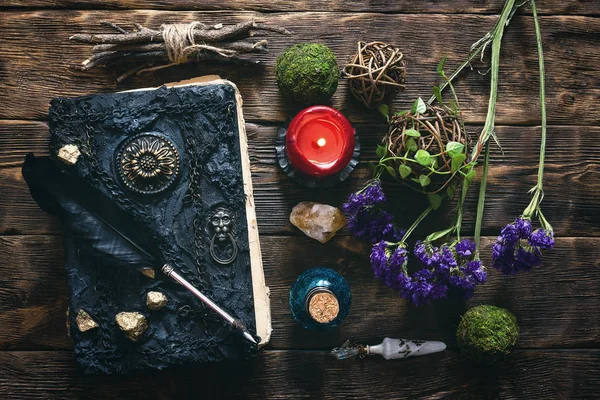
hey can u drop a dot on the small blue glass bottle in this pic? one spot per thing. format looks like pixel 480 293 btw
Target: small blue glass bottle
pixel 320 298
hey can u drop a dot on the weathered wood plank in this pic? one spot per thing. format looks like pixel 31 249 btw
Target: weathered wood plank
pixel 553 304
pixel 399 6
pixel 33 70
pixel 572 166
pixel 298 374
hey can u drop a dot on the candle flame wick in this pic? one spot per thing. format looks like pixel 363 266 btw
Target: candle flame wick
pixel 321 142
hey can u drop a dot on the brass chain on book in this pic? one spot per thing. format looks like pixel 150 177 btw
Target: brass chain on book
pixel 194 195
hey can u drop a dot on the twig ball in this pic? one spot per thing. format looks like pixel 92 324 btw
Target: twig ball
pixel 487 333
pixel 375 72
pixel 307 74
pixel 435 137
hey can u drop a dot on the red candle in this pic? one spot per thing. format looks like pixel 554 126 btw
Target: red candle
pixel 320 141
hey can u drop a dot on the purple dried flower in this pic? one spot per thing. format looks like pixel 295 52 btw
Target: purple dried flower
pixel 399 258
pixel 447 260
pixel 542 239
pixel 512 233
pixel 452 267
pixel 518 249
pixel 467 277
pixel 388 265
pixel 374 225
pixel 366 219
pixel 427 254
pixel 445 271
pixel 372 196
pixel 379 259
pixel 477 271
pixel 528 258
pixel 465 248
pixel 425 288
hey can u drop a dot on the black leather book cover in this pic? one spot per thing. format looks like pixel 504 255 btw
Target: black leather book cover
pixel 174 161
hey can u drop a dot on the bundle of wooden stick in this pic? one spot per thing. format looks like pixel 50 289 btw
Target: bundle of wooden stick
pixel 147 50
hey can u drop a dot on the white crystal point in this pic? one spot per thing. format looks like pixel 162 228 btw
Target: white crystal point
pixel 392 349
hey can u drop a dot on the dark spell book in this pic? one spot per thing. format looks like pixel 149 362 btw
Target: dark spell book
pixel 167 168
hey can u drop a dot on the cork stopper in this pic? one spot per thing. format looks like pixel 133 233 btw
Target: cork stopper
pixel 323 306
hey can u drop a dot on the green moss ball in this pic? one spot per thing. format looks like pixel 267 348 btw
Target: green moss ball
pixel 307 74
pixel 487 333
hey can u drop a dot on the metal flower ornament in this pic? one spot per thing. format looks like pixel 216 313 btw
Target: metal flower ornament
pixel 428 149
pixel 148 163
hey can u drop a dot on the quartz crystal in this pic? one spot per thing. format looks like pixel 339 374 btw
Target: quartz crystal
pixel 156 300
pixel 318 221
pixel 132 323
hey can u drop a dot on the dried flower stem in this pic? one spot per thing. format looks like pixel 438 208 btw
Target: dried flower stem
pixel 495 38
pixel 538 191
pixel 481 199
pixel 416 223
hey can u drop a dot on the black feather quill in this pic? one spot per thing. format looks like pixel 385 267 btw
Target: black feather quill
pixel 78 206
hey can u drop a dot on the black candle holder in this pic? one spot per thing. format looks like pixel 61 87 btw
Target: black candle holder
pixel 311 181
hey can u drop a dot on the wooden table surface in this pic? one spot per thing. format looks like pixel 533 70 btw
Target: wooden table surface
pixel 557 305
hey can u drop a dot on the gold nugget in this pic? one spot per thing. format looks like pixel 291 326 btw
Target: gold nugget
pixel 149 272
pixel 156 300
pixel 84 321
pixel 132 323
pixel 69 154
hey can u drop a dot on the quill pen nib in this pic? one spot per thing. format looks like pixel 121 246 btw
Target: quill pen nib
pixel 248 336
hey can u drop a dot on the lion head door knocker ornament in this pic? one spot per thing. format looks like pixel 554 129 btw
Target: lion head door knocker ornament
pixel 148 163
pixel 222 238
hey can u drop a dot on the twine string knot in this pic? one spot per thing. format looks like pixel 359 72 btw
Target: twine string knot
pixel 181 44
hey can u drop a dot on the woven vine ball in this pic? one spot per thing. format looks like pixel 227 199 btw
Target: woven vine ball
pixel 437 126
pixel 375 72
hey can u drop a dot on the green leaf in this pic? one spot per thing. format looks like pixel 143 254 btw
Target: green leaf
pixel 401 113
pixel 385 111
pixel 418 106
pixel 438 94
pixel 412 132
pixel 440 67
pixel 423 157
pixel 381 151
pixel 391 171
pixel 453 106
pixel 404 170
pixel 454 148
pixel 457 161
pixel 412 144
pixel 424 180
pixel 438 235
pixel 450 191
pixel 470 175
pixel 435 201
